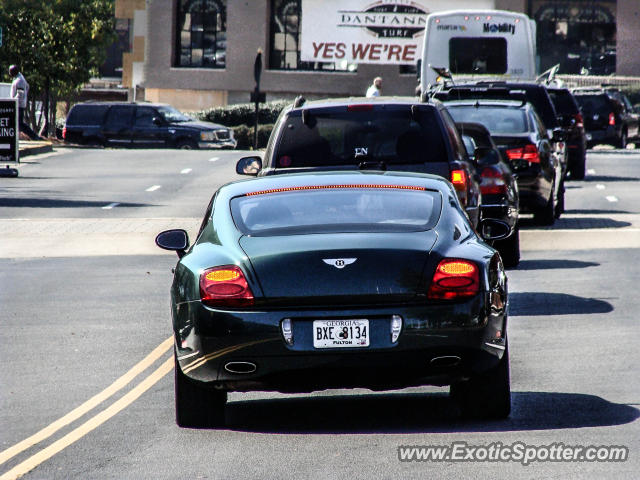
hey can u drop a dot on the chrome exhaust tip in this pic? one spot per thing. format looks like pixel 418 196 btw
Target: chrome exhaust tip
pixel 445 361
pixel 240 367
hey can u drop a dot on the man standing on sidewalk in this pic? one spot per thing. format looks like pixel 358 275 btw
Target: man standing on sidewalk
pixel 20 90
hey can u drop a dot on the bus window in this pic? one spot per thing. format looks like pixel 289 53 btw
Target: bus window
pixel 478 55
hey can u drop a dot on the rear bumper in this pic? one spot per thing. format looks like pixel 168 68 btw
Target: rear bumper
pixel 607 135
pixel 438 345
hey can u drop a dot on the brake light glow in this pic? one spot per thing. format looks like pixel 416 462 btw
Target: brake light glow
pixel 225 286
pixel 360 107
pixel 335 187
pixel 528 153
pixel 454 279
pixel 612 119
pixel 459 181
pixel 579 120
pixel 492 181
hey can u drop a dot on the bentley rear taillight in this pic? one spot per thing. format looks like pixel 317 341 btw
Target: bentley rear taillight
pixel 225 286
pixel 612 119
pixel 64 133
pixel 492 181
pixel 528 153
pixel 454 279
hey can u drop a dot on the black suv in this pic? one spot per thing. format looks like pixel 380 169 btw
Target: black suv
pixel 523 140
pixel 572 121
pixel 148 125
pixel 533 93
pixel 398 134
pixel 608 115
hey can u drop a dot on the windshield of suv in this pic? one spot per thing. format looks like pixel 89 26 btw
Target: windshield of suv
pixel 496 119
pixel 563 101
pixel 172 115
pixel 347 136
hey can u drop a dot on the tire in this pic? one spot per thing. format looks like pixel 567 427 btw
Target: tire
pixel 622 141
pixel 186 145
pixel 560 203
pixel 578 167
pixel 196 406
pixel 509 249
pixel 546 215
pixel 487 395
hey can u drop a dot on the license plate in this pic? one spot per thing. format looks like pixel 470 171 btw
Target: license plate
pixel 340 333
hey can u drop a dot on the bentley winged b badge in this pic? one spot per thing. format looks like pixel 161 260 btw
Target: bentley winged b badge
pixel 339 262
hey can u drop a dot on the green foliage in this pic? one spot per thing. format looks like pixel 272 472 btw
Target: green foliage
pixel 244 136
pixel 243 114
pixel 59 43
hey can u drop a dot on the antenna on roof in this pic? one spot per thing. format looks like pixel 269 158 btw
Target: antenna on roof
pixel 299 101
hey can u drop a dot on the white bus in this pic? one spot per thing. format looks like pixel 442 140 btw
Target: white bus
pixel 479 43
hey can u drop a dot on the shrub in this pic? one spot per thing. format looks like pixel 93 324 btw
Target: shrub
pixel 244 136
pixel 242 114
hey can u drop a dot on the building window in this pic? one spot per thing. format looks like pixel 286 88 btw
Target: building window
pixel 284 51
pixel 201 34
pixel 579 36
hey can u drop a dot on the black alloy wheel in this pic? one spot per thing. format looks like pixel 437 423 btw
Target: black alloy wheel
pixel 487 395
pixel 509 248
pixel 196 406
pixel 547 214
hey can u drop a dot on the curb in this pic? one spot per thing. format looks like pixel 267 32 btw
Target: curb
pixel 35 150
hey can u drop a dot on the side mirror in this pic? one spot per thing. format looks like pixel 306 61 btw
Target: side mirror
pixel 176 240
pixel 249 166
pixel 157 121
pixel 492 229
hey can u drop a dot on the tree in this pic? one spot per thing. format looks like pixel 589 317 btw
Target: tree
pixel 58 44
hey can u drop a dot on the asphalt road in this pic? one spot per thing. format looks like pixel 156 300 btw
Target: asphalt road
pixel 86 388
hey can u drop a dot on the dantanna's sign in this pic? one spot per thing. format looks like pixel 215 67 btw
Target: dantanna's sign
pixel 357 31
pixel 9 132
pixel 366 31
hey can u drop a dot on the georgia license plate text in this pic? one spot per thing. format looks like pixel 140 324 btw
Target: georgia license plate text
pixel 340 333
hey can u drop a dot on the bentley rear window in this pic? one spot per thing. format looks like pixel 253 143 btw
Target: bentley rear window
pixel 340 209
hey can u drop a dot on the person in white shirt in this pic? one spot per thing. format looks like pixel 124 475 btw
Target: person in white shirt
pixel 375 90
pixel 20 90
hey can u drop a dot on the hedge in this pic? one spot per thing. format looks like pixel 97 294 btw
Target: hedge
pixel 243 114
pixel 244 136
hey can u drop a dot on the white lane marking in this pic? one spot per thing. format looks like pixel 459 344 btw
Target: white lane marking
pixel 591 171
pixel 611 198
pixel 153 188
pixel 185 171
pixel 214 159
pixel 600 186
pixel 110 206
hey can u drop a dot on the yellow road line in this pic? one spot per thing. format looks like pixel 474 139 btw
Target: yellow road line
pixel 91 424
pixel 89 404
